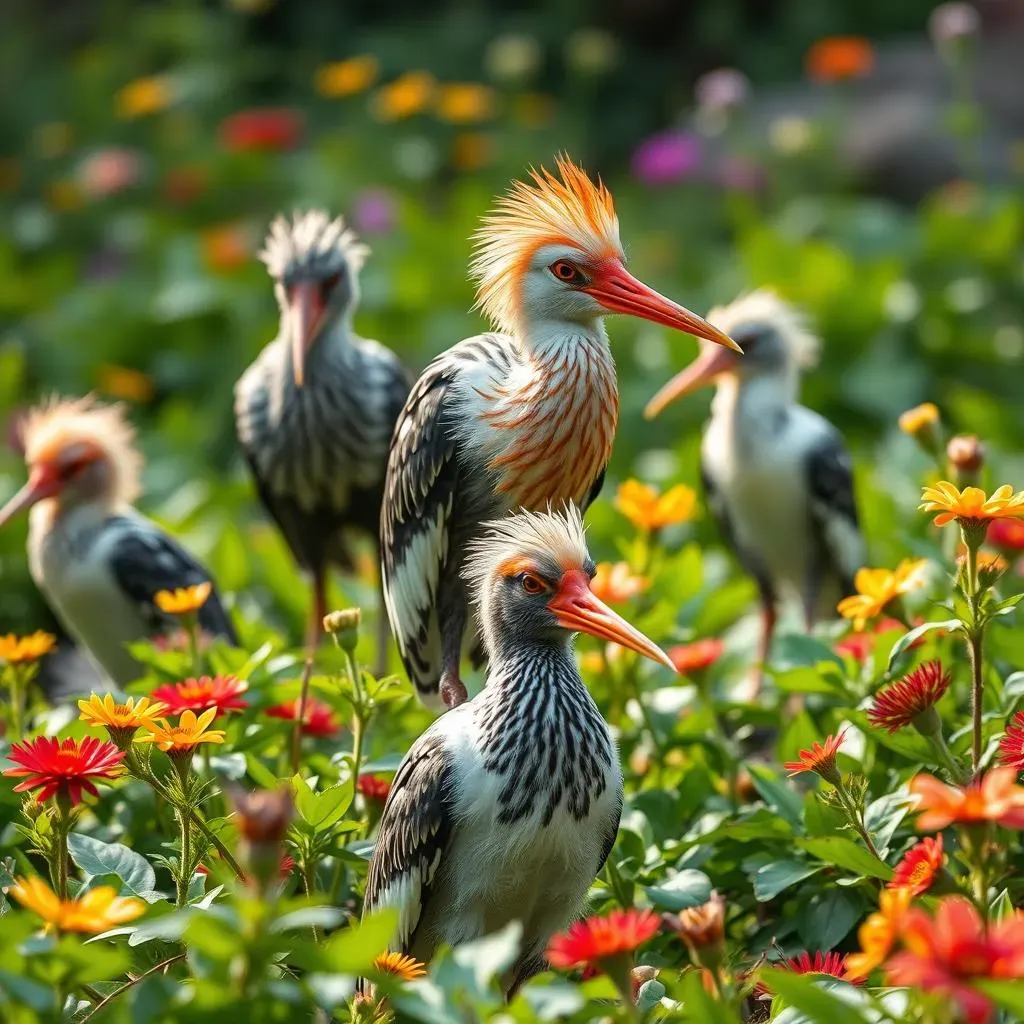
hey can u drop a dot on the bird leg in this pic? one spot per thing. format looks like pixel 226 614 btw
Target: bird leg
pixel 768 619
pixel 452 612
pixel 313 630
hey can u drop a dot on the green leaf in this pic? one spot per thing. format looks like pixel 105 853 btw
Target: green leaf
pixel 908 743
pixel 1007 994
pixel 700 1007
pixel 31 993
pixel 98 858
pixel 1001 907
pixel 828 917
pixel 778 794
pixel 1013 690
pixel 260 773
pixel 353 950
pixel 793 650
pixel 844 853
pixel 915 634
pixel 773 878
pixel 1007 606
pixel 804 993
pixel 686 889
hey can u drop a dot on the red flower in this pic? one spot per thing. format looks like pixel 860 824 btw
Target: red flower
pixel 690 658
pixel 906 700
pixel 221 692
pixel 860 645
pixel 272 128
pixel 373 787
pixel 1007 534
pixel 994 797
pixel 919 866
pixel 821 758
pixel 832 964
pixel 946 953
pixel 319 718
pixel 1011 746
pixel 597 938
pixel 63 768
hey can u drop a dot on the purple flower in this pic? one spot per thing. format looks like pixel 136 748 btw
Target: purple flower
pixel 722 90
pixel 373 212
pixel 666 158
pixel 951 22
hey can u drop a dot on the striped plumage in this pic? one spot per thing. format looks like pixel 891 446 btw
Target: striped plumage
pixel 523 418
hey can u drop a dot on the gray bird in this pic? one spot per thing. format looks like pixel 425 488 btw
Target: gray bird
pixel 315 411
pixel 506 808
pixel 778 477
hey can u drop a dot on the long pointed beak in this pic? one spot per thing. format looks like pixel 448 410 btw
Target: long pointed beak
pixel 43 483
pixel 307 313
pixel 576 608
pixel 703 370
pixel 620 292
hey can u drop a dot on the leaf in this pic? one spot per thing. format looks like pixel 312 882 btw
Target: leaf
pixel 1007 606
pixel 804 993
pixel 845 853
pixel 773 878
pixel 309 917
pixel 686 889
pixel 792 650
pixel 828 917
pixel 1013 690
pixel 777 793
pixel 322 810
pixel 490 956
pixel 915 634
pixel 353 950
pixel 700 1007
pixel 98 858
pixel 883 816
pixel 31 993
pixel 1001 908
pixel 260 773
pixel 1008 994
pixel 909 744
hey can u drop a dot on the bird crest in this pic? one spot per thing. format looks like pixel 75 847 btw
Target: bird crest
pixel 59 423
pixel 764 307
pixel 311 244
pixel 567 209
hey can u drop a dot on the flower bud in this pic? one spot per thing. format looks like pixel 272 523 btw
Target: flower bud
pixel 263 818
pixel 343 625
pixel 966 455
pixel 703 930
pixel 922 424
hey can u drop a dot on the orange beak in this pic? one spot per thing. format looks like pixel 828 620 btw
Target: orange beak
pixel 711 363
pixel 576 608
pixel 306 312
pixel 43 482
pixel 618 291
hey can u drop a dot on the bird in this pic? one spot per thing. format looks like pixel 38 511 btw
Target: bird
pixel 315 412
pixel 98 562
pixel 777 475
pixel 517 418
pixel 508 805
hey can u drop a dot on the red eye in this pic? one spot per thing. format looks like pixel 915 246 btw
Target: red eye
pixel 565 271
pixel 532 585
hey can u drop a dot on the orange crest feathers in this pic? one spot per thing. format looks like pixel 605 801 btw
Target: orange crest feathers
pixel 569 209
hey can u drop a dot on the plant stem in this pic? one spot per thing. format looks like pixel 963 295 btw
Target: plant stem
pixel 974 648
pixel 309 884
pixel 300 714
pixel 185 863
pixel 17 704
pixel 938 741
pixel 857 820
pixel 134 981
pixel 62 827
pixel 360 719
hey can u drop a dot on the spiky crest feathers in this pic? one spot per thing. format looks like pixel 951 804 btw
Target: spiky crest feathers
pixel 311 243
pixel 765 306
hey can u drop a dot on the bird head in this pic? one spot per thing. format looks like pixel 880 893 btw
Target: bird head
pixel 77 451
pixel 530 573
pixel 315 264
pixel 550 250
pixel 775 340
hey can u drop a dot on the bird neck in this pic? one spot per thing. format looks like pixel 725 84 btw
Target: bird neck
pixel 517 667
pixel 74 516
pixel 754 403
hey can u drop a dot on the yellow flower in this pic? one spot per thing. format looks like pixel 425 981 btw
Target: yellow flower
pixel 184 599
pixel 879 933
pixel 877 587
pixel 125 383
pixel 971 504
pixel 464 102
pixel 644 507
pixel 99 710
pixel 347 77
pixel 188 733
pixel 142 97
pixel 96 911
pixel 920 418
pixel 592 663
pixel 614 583
pixel 405 968
pixel 405 96
pixel 18 649
pixel 472 150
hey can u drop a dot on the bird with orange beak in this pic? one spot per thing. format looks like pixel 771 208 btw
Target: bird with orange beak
pixel 97 561
pixel 518 418
pixel 778 477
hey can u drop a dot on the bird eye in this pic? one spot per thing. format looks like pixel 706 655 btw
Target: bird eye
pixel 327 285
pixel 565 271
pixel 532 585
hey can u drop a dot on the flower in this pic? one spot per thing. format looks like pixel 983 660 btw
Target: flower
pixel 223 693
pixel 966 454
pixel 919 866
pixel 695 657
pixel 262 130
pixel 184 600
pixel 1007 534
pixel 860 645
pixel 821 759
pixel 952 22
pixel 700 926
pixel 791 134
pixel 989 562
pixel 904 702
pixel 645 508
pixel 124 383
pixel 920 420
pixel 833 964
pixel 970 504
pixel 405 968
pixel 615 583
pixel 142 97
pixel 120 720
pixel 96 911
pixel 188 733
pixel 373 787
pixel 64 768
pixel 512 57
pixel 226 247
pixel 722 90
pixel 597 938
pixel 993 797
pixel 591 51
pixel 347 77
pixel 407 95
pixel 317 721
pixel 263 816
pixel 877 587
pixel 879 933
pixel 836 58
pixel 472 150
pixel 464 102
pixel 1011 746
pixel 666 158
pixel 373 212
pixel 182 185
pixel 108 172
pixel 533 109
pixel 16 650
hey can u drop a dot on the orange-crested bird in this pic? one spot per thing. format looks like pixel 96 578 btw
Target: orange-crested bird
pixel 523 417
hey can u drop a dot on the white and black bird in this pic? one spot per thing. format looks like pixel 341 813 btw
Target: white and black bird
pixel 523 418
pixel 506 808
pixel 778 477
pixel 98 561
pixel 315 412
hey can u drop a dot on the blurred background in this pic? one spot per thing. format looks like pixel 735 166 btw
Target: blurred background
pixel 866 159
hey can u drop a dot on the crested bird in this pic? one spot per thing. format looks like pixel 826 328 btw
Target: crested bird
pixel 518 418
pixel 506 808
pixel 99 562
pixel 315 412
pixel 777 475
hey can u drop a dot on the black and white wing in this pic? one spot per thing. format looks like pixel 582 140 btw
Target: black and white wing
pixel 145 560
pixel 415 832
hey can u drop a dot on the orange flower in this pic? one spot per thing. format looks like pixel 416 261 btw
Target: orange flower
pixel 820 759
pixel 919 866
pixel 226 247
pixel 879 933
pixel 410 94
pixel 464 102
pixel 877 587
pixel 615 583
pixel 184 600
pixel 405 968
pixel 472 150
pixel 347 77
pixel 970 504
pixel 645 508
pixel 695 657
pixel 95 911
pixel 836 58
pixel 595 939
pixel 125 383
pixel 994 797
pixel 920 420
pixel 16 650
pixel 905 701
pixel 187 734
pixel 142 97
pixel 701 926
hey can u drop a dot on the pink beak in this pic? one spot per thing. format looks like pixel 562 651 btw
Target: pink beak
pixel 42 483
pixel 711 363
pixel 307 314
pixel 576 608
